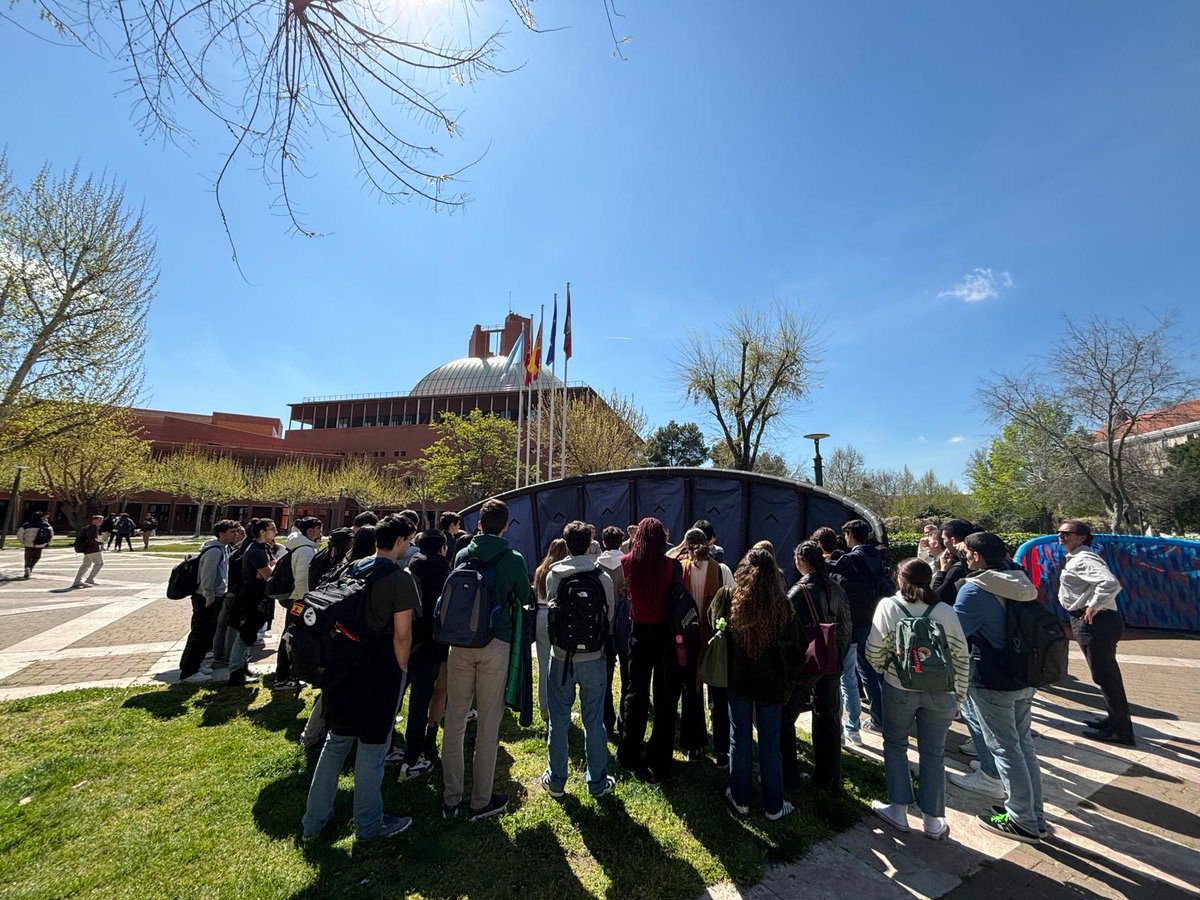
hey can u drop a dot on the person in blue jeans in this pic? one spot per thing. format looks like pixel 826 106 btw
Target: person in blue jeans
pixel 1001 702
pixel 362 706
pixel 587 671
pixel 932 708
pixel 765 655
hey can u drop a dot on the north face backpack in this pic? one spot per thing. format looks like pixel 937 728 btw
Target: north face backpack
pixel 282 581
pixel 1034 644
pixel 184 579
pixel 922 660
pixel 577 616
pixel 685 623
pixel 327 634
pixel 466 610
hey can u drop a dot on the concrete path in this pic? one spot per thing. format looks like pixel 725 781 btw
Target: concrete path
pixel 1124 819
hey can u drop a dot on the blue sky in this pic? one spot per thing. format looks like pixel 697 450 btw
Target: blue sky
pixel 936 182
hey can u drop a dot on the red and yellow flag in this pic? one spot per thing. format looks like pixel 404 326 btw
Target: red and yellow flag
pixel 533 362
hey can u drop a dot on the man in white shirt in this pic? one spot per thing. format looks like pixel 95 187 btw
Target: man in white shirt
pixel 1088 591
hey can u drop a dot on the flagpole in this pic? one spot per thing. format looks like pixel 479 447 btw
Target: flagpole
pixel 553 392
pixel 566 362
pixel 528 412
pixel 520 421
pixel 538 378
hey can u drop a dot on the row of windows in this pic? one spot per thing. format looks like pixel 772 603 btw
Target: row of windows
pixel 384 453
pixel 392 421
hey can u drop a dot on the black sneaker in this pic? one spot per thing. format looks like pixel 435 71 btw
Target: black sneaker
pixel 389 827
pixel 497 805
pixel 286 684
pixel 1042 832
pixel 695 755
pixel 999 823
pixel 449 812
pixel 241 678
pixel 1106 736
pixel 722 760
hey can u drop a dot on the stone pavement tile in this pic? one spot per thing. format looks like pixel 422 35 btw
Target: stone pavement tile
pixel 1160 643
pixel 19 626
pixel 72 671
pixel 158 620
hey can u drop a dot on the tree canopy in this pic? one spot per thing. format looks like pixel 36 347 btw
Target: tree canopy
pixel 204 475
pixel 474 456
pixel 603 433
pixel 676 444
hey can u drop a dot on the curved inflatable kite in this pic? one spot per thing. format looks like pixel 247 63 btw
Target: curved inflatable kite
pixel 1160 577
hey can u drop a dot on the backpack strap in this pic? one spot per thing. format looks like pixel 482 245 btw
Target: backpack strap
pixel 812 609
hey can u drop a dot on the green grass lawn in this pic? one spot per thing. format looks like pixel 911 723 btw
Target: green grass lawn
pixel 190 792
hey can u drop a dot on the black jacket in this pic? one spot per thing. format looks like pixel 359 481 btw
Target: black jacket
pixel 859 572
pixel 768 678
pixel 431 573
pixel 945 583
pixel 836 610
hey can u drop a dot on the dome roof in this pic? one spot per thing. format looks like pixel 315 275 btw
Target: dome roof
pixel 472 375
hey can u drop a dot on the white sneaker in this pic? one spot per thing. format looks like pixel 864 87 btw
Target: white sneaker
pixel 979 782
pixel 968 748
pixel 787 810
pixel 892 813
pixel 198 678
pixel 853 738
pixel 976 765
pixel 936 827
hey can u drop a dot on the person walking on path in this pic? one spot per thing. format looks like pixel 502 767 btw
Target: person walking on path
pixel 765 654
pixel 35 536
pixel 1088 591
pixel 87 542
pixel 213 584
pixel 124 529
pixel 149 524
pixel 932 705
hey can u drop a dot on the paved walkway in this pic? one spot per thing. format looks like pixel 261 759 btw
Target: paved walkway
pixel 1125 819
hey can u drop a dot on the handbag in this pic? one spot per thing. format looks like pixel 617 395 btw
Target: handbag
pixel 820 638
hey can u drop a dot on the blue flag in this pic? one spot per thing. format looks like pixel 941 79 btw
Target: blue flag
pixel 516 353
pixel 553 332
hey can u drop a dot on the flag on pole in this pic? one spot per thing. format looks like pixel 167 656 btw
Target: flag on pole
pixel 533 360
pixel 553 332
pixel 517 352
pixel 567 326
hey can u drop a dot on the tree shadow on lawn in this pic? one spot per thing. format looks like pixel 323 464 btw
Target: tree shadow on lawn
pixel 282 713
pixel 164 704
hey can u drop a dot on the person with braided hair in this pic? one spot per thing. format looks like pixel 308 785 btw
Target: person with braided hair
pixel 765 653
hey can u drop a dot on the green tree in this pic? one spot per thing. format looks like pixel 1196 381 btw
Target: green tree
pixel 291 482
pixel 676 444
pixel 473 457
pixel 603 433
pixel 1182 476
pixel 768 463
pixel 205 476
pixel 89 467
pixel 77 275
pixel 748 372
pixel 368 485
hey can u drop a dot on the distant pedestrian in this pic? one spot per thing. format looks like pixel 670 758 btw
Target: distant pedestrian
pixel 124 528
pixel 149 525
pixel 87 542
pixel 108 530
pixel 35 536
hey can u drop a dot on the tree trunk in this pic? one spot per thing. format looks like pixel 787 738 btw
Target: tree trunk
pixel 199 517
pixel 74 514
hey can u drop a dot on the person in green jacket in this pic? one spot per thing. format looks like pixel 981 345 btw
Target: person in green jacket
pixel 483 673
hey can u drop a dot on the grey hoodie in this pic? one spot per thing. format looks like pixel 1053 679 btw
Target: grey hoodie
pixel 214 571
pixel 564 569
pixel 1010 584
pixel 303 550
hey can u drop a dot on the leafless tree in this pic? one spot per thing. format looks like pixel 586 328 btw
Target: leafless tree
pixel 277 73
pixel 77 275
pixel 1109 376
pixel 749 371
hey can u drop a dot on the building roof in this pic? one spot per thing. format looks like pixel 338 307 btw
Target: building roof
pixel 476 376
pixel 1169 417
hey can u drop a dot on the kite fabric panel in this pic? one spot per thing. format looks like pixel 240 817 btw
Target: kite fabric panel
pixel 606 503
pixel 720 501
pixel 556 506
pixel 1160 577
pixel 824 510
pixel 662 498
pixel 520 534
pixel 775 516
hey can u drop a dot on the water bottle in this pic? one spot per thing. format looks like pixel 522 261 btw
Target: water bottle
pixel 680 650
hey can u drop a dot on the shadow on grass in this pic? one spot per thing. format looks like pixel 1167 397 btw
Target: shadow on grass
pixel 283 713
pixel 168 704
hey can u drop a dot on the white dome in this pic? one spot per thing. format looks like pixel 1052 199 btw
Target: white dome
pixel 476 376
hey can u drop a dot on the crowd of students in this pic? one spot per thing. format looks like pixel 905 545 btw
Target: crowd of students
pixel 839 641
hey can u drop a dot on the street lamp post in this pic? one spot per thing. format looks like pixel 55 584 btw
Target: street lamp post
pixel 14 502
pixel 341 509
pixel 818 472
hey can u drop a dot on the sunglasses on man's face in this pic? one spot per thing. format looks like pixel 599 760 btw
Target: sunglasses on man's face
pixel 1061 533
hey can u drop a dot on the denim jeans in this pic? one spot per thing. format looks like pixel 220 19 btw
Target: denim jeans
pixel 591 677
pixel 870 678
pixel 368 778
pixel 971 718
pixel 933 714
pixel 851 702
pixel 543 661
pixel 743 714
pixel 1006 718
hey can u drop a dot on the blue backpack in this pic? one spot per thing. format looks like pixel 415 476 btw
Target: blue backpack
pixel 466 611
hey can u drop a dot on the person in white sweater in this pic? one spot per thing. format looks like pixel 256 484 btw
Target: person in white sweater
pixel 933 710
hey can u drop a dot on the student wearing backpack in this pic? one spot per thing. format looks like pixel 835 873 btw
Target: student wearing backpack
pixel 999 695
pixel 649 576
pixel 1088 591
pixel 124 529
pixel 765 654
pixel 482 672
pixel 831 606
pixel 211 587
pixel 87 542
pixel 35 536
pixel 302 545
pixel 703 577
pixel 617 652
pixel 224 637
pixel 252 606
pixel 582 605
pixel 556 552
pixel 919 646
pixel 362 706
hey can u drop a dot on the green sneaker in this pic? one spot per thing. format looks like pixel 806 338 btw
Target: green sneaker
pixel 999 823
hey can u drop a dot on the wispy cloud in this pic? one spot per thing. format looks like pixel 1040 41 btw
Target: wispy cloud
pixel 613 337
pixel 979 284
pixel 957 439
pixel 919 439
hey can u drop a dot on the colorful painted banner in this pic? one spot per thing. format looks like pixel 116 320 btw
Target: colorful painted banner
pixel 1160 577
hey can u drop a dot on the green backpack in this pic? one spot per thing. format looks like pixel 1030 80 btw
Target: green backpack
pixel 922 660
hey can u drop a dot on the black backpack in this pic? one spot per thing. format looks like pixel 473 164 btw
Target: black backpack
pixel 282 581
pixel 466 612
pixel 184 579
pixel 577 616
pixel 235 569
pixel 1035 647
pixel 45 533
pixel 685 623
pixel 327 635
pixel 319 566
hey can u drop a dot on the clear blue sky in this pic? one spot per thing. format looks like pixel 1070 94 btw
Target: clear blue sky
pixel 877 163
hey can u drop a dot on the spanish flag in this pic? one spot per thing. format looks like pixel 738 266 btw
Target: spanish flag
pixel 533 363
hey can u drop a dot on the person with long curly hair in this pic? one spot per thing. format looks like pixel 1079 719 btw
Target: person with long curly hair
pixel 556 552
pixel 765 653
pixel 649 574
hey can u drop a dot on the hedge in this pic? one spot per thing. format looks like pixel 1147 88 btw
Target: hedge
pixel 903 544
